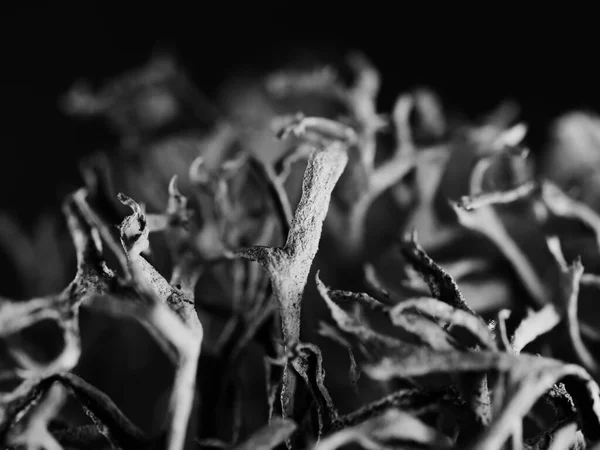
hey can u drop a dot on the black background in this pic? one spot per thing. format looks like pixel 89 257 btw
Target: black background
pixel 474 61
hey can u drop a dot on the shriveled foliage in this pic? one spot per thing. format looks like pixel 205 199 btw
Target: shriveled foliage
pixel 281 314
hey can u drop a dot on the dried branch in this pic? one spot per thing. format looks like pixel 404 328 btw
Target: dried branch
pixel 321 174
pixel 134 232
pixel 32 432
pixel 171 332
pixel 560 204
pixel 289 266
pixel 477 213
pixel 352 222
pixel 111 423
pixel 92 276
pixel 472 202
pixel 368 181
pixel 533 326
pixel 415 401
pixel 570 277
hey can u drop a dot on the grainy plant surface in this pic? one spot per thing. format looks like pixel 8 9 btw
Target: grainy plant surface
pixel 297 269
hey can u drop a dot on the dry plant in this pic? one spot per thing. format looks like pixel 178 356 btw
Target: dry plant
pixel 446 376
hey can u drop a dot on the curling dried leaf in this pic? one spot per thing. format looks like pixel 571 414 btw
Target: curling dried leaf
pixel 441 285
pixel 385 432
pixel 191 248
pixel 357 298
pixel 134 229
pixel 270 436
pixel 448 314
pixel 424 327
pixel 370 342
pixel 534 376
pixel 309 365
pixel 134 236
pixel 531 384
pixel 376 285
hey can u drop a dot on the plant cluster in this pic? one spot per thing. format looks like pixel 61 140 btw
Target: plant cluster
pixel 341 200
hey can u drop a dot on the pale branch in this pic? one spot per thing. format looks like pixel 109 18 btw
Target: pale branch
pixel 533 326
pixel 32 431
pixel 560 204
pixel 92 276
pixel 379 178
pixel 469 203
pixel 402 160
pixel 109 420
pixel 567 302
pixel 145 279
pixel 171 332
pixel 477 213
pixel 94 279
pixel 289 266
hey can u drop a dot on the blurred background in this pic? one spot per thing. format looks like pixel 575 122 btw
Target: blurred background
pixel 472 62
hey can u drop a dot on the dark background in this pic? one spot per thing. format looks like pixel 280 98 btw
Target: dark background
pixel 474 59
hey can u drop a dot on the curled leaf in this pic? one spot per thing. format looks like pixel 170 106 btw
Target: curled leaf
pixel 455 317
pixel 371 343
pixel 308 363
pixel 534 375
pixel 441 285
